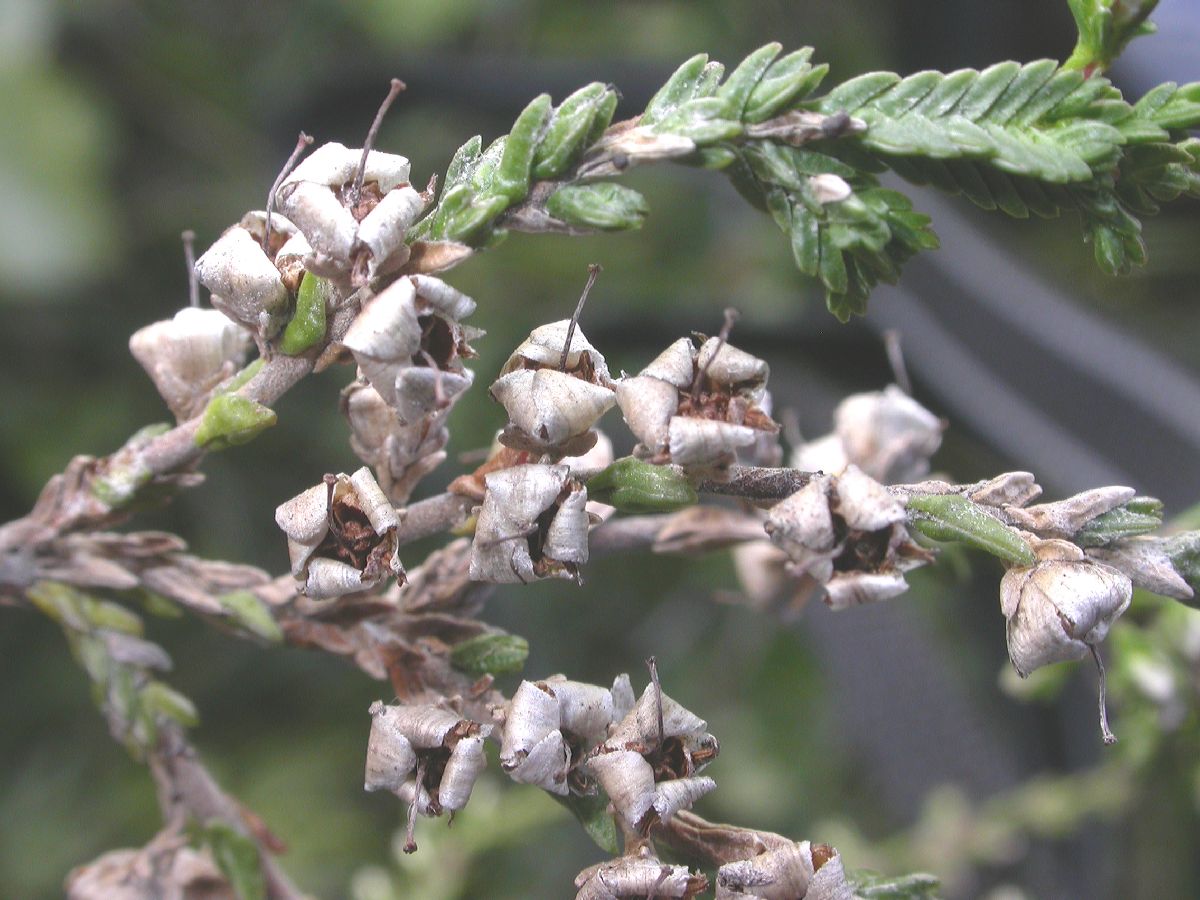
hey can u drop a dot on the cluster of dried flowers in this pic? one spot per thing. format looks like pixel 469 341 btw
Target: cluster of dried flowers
pixel 338 252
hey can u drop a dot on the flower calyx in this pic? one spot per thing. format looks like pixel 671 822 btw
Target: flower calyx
pixel 551 726
pixel 427 756
pixel 648 765
pixel 353 237
pixel 697 406
pixel 188 355
pixel 847 533
pixel 532 525
pixel 553 396
pixel 341 536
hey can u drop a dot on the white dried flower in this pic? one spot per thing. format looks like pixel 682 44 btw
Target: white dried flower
pixel 649 774
pixel 636 878
pixel 438 747
pixel 188 355
pixel 698 407
pixel 552 724
pixel 515 539
pixel 803 870
pixel 367 238
pixel 847 533
pixel 1060 607
pixel 244 281
pixel 553 409
pixel 401 455
pixel 409 344
pixel 887 434
pixel 341 536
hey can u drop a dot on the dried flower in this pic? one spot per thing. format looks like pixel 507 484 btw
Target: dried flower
pixel 847 533
pixel 341 536
pixel 409 344
pixel 533 524
pixel 243 279
pixel 636 878
pixel 887 434
pixel 648 765
pixel 697 407
pixel 401 455
pixel 1060 607
pixel 803 870
pixel 552 407
pixel 365 239
pixel 425 754
pixel 552 724
pixel 188 355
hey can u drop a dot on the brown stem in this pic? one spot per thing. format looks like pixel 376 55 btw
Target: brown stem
pixel 731 316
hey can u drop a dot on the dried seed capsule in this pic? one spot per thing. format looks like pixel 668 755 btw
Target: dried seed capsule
pixel 362 240
pixel 811 871
pixel 698 407
pixel 532 525
pixel 188 355
pixel 552 724
pixel 1060 607
pixel 341 536
pixel 637 877
pixel 649 773
pixel 436 745
pixel 244 282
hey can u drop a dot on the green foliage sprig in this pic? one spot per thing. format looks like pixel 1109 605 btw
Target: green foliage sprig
pixel 1035 138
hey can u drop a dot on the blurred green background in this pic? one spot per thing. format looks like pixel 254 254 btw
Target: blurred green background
pixel 886 730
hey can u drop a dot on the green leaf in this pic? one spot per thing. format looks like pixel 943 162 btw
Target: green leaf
pixel 1139 516
pixel 307 325
pixel 231 419
pixel 679 89
pixel 570 125
pixel 602 205
pixel 742 81
pixel 159 698
pixel 788 79
pixel 873 886
pixel 635 486
pixel 951 517
pixel 512 175
pixel 237 857
pixel 252 614
pixel 592 813
pixel 497 654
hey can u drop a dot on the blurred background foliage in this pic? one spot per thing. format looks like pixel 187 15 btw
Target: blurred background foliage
pixel 896 732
